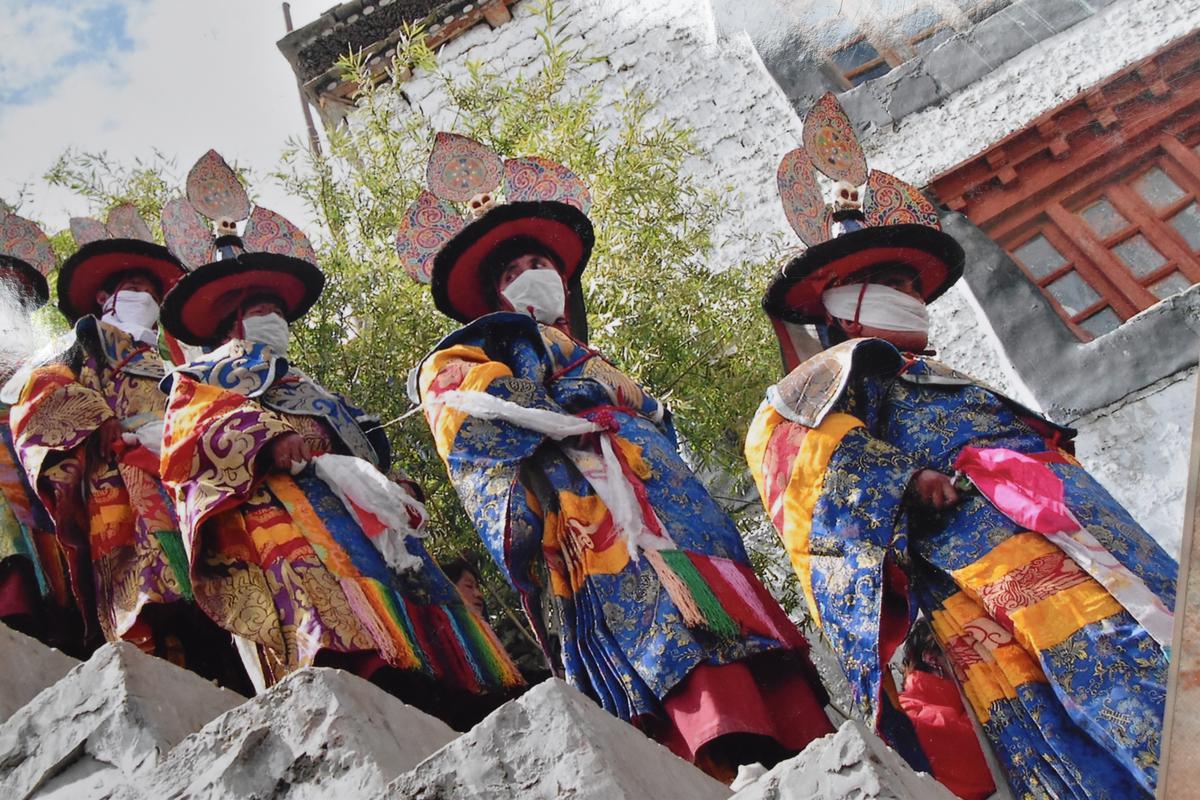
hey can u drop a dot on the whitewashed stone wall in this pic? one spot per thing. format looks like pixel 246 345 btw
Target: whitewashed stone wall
pixel 924 144
pixel 720 89
pixel 1139 449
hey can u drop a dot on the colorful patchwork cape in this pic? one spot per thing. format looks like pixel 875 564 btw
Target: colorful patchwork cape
pixel 279 560
pixel 638 611
pixel 1068 685
pixel 32 570
pixel 113 521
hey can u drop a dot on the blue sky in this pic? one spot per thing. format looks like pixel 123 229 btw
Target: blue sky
pixel 129 77
pixel 46 41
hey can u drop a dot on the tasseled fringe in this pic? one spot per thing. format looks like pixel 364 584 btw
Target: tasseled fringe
pixel 466 656
pixel 454 656
pixel 737 595
pixel 388 622
pixel 721 595
pixel 691 593
pixel 677 590
pixel 500 671
pixel 447 642
pixel 171 543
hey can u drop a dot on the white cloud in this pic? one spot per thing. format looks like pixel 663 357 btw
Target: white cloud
pixel 185 77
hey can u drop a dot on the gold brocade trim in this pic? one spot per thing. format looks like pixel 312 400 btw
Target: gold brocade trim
pixel 64 417
pixel 1011 554
pixel 803 490
pixel 1051 621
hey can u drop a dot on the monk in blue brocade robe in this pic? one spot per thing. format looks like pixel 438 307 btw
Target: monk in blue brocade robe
pixel 570 468
pixel 900 485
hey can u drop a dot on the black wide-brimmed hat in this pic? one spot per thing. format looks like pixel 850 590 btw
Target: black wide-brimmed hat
pixel 546 207
pixel 121 244
pixel 271 258
pixel 26 257
pixel 202 300
pixel 795 294
pixel 97 263
pixel 462 288
pixel 885 223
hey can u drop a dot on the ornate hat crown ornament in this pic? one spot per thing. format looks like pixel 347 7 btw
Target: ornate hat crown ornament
pixel 861 197
pixel 461 170
pixel 270 256
pixel 25 250
pixel 215 193
pixel 123 222
pixel 121 243
pixel 872 220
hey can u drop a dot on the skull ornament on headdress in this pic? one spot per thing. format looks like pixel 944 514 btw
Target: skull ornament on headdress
pixel 872 219
pixel 464 171
pixel 831 147
pixel 846 197
pixel 214 192
pixel 270 257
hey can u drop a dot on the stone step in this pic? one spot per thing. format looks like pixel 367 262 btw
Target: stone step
pixel 319 733
pixel 853 762
pixel 106 721
pixel 553 742
pixel 28 666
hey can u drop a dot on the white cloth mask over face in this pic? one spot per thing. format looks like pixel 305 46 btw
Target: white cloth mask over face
pixel 882 307
pixel 269 329
pixel 134 312
pixel 539 293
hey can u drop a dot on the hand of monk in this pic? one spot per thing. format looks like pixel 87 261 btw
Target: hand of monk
pixel 934 489
pixel 289 450
pixel 106 438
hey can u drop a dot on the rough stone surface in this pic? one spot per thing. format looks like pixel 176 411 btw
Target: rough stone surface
pixel 104 723
pixel 1016 91
pixel 28 667
pixel 551 743
pixel 850 763
pixel 1138 449
pixel 319 733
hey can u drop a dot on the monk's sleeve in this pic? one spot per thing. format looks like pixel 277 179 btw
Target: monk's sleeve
pixel 52 420
pixel 215 448
pixel 484 450
pixel 834 493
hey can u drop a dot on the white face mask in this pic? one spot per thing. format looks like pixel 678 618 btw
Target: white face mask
pixel 269 329
pixel 134 312
pixel 881 307
pixel 539 293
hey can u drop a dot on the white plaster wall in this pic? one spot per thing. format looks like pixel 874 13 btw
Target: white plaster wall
pixel 964 339
pixel 927 143
pixel 1139 449
pixel 924 144
pixel 743 123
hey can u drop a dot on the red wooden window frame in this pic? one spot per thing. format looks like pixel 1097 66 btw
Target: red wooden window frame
pixel 1093 256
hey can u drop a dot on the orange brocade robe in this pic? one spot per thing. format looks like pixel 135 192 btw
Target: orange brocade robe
pixel 113 520
pixel 278 561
